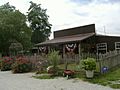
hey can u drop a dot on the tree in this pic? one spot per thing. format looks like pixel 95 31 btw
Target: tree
pixel 13 28
pixel 39 24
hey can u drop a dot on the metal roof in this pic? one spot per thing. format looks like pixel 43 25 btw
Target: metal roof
pixel 66 39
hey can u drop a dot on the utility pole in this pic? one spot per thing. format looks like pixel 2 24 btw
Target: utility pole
pixel 104 30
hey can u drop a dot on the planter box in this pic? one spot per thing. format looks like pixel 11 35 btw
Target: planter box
pixel 89 74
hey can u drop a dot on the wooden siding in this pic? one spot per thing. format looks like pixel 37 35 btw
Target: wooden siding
pixel 110 40
pixel 76 30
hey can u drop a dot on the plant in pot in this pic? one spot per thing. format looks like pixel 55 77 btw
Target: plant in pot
pixel 89 65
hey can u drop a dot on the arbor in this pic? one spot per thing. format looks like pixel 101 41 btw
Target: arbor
pixel 13 28
pixel 39 24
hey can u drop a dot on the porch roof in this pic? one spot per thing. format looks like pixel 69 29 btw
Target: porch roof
pixel 66 39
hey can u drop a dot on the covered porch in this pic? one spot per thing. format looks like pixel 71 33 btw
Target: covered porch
pixel 70 47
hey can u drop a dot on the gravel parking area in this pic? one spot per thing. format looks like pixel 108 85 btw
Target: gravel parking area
pixel 9 81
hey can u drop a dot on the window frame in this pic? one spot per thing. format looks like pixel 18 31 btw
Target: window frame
pixel 116 46
pixel 104 47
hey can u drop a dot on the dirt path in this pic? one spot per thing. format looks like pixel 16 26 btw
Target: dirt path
pixel 9 81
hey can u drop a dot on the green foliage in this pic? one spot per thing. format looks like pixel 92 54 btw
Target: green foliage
pixel 6 63
pixel 72 66
pixel 109 79
pixel 116 86
pixel 21 65
pixel 54 58
pixel 89 64
pixel 38 20
pixel 13 28
pixel 41 72
pixel 0 62
pixel 46 76
pixel 7 7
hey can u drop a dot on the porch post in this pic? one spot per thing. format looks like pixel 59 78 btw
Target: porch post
pixel 64 58
pixel 63 51
pixel 38 50
pixel 79 50
pixel 48 49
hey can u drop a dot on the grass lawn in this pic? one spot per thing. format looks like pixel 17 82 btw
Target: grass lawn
pixel 44 76
pixel 69 67
pixel 111 79
pixel 75 67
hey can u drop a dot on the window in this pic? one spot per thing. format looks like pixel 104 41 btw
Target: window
pixel 117 45
pixel 102 48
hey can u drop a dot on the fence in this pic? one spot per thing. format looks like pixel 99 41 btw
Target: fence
pixel 70 58
pixel 104 62
pixel 37 61
pixel 108 61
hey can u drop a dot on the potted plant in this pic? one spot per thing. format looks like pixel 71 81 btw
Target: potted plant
pixel 89 65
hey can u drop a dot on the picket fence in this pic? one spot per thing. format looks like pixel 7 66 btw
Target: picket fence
pixel 108 60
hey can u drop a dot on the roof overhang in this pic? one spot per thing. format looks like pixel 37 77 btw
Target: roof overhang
pixel 66 39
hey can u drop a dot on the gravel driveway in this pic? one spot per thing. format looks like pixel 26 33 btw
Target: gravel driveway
pixel 9 81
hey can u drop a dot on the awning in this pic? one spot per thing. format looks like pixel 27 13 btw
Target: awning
pixel 66 39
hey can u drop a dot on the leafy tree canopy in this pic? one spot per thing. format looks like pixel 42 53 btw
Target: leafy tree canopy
pixel 13 28
pixel 39 24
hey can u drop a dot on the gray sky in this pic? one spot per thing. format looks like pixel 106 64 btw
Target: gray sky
pixel 71 13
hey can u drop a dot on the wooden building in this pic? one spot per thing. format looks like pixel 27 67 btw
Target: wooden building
pixel 79 40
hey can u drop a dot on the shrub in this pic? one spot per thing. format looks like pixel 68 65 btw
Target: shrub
pixel 21 65
pixel 0 62
pixel 54 58
pixel 6 63
pixel 89 64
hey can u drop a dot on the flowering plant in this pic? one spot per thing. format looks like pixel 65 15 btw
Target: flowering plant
pixel 6 63
pixel 21 65
pixel 0 62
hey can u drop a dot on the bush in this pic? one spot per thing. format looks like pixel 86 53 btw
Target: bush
pixel 89 64
pixel 6 63
pixel 0 62
pixel 54 58
pixel 21 65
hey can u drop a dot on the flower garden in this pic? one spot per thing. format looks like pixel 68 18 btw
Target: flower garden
pixel 15 64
